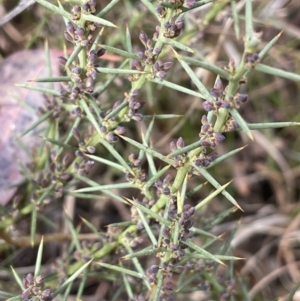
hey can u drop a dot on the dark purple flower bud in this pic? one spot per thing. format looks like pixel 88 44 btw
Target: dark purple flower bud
pixel 161 11
pixel 135 92
pixel 62 60
pixel 89 164
pixel 192 211
pixel 255 57
pixel 68 37
pixel 180 143
pixel 189 3
pixel 166 191
pixel 92 73
pixel 76 9
pixel 140 55
pixel 154 269
pixel 173 146
pixel 59 167
pixel 88 9
pixel 76 70
pixel 172 214
pixel 149 44
pixel 155 36
pixel 76 12
pixel 205 128
pixel 218 103
pixel 91 149
pixel 101 52
pixel 92 3
pixel 218 84
pixel 166 241
pixel 35 290
pixel 167 179
pixel 161 74
pixel 208 106
pixel 120 130
pixel 156 66
pixel 29 279
pixel 204 119
pixel 110 137
pixel 219 137
pixel 136 65
pixel 166 232
pixel 188 224
pixel 242 98
pixel 47 295
pixel 186 207
pixel 89 82
pixel 25 294
pixel 157 50
pixel 78 153
pixel 215 92
pixel 143 37
pixel 84 43
pixel 213 156
pixel 166 66
pixel 226 104
pixel 70 29
pixel 92 56
pixel 179 24
pixel 80 33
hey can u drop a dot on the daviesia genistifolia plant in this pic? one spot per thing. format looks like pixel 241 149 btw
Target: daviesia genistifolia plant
pixel 82 130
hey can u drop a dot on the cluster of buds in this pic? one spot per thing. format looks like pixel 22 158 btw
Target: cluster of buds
pixel 34 289
pixel 167 289
pixel 204 160
pixel 83 79
pixel 133 240
pixel 139 176
pixel 133 106
pixel 84 166
pixel 252 59
pixel 185 222
pixel 160 70
pixel 220 99
pixel 87 8
pixel 149 56
pixel 180 160
pixel 172 28
pixel 163 187
pixel 59 175
pixel 77 35
pixel 40 184
pixel 84 141
pixel 112 136
pixel 208 137
pixel 150 52
pixel 56 176
pixel 229 291
pixel 59 112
